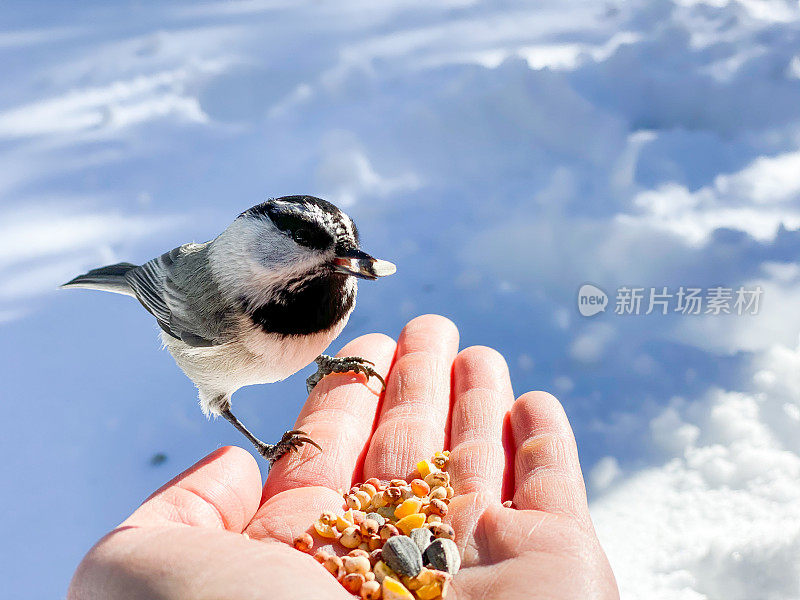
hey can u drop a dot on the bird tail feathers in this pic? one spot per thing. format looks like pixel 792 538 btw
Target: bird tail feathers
pixel 109 279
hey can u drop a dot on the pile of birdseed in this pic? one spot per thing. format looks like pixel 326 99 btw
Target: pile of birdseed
pixel 399 547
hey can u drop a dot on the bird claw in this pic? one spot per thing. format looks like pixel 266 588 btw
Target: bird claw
pixel 326 365
pixel 290 441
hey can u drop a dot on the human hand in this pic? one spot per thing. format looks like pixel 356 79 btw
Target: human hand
pixel 185 541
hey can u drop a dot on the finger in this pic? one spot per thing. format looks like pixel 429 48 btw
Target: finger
pixel 547 469
pixel 413 419
pixel 339 416
pixel 223 490
pixel 483 397
pixel 286 515
pixel 161 563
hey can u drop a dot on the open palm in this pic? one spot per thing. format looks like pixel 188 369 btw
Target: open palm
pixel 185 541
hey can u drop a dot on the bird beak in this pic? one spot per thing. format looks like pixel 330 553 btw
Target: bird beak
pixel 362 265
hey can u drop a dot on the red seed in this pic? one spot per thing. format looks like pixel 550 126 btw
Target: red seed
pixel 375 556
pixel 375 482
pixel 303 542
pixel 437 507
pixel 388 530
pixel 370 527
pixel 352 582
pixel 420 488
pixel 334 565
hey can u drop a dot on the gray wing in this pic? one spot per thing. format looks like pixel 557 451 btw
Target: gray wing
pixel 177 290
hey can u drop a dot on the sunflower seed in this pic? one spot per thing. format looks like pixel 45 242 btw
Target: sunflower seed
pixel 422 537
pixel 377 518
pixel 442 555
pixel 402 555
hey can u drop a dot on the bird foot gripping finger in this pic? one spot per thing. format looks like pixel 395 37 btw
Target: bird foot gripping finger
pixel 313 380
pixel 291 441
pixel 327 365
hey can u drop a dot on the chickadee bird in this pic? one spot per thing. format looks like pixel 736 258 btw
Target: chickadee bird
pixel 256 304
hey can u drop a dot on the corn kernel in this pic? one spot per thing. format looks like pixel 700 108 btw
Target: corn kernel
pixel 409 507
pixel 414 583
pixel 406 524
pixel 442 581
pixel 411 583
pixel 382 571
pixel 325 530
pixel 394 590
pixel 425 467
pixel 428 592
pixel 426 576
pixel 345 520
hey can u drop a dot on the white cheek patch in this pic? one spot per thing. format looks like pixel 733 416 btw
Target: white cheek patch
pixel 251 258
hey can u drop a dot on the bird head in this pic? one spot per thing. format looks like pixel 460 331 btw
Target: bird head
pixel 292 239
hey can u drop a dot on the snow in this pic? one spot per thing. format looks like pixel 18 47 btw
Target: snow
pixel 502 155
pixel 720 518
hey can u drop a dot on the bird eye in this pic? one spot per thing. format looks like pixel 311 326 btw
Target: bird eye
pixel 303 232
pixel 301 235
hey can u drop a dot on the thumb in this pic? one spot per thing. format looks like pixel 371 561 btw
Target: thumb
pixel 221 491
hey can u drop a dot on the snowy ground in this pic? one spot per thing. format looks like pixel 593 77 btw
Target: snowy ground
pixel 502 154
